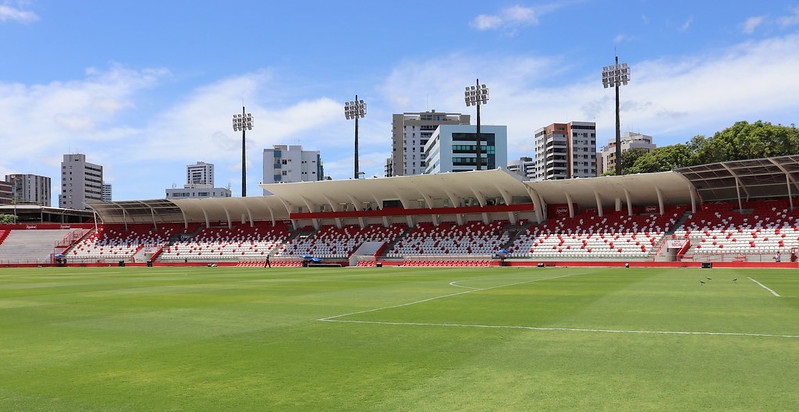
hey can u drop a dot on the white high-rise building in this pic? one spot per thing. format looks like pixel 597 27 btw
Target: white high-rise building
pixel 409 134
pixel 200 173
pixel 292 164
pixel 30 189
pixel 565 151
pixel 81 182
pixel 452 148
pixel 629 140
pixel 199 184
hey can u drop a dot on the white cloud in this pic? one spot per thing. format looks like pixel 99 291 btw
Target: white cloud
pixel 509 17
pixel 752 23
pixel 73 112
pixel 200 125
pixel 16 13
pixel 792 20
pixel 486 22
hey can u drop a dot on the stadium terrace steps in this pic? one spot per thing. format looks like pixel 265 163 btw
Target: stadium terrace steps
pixel 31 246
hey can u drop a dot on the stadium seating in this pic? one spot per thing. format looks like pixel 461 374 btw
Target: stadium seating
pixel 615 235
pixel 239 243
pixel 759 228
pixel 450 239
pixel 115 242
pixel 332 242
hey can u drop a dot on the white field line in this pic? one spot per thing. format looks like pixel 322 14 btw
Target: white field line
pixel 455 283
pixel 557 329
pixel 765 287
pixel 335 317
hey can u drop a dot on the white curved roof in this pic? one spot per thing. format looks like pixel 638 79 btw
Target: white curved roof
pixel 742 180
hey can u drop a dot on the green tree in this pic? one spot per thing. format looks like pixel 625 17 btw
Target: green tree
pixel 662 159
pixel 745 140
pixel 629 157
pixel 6 219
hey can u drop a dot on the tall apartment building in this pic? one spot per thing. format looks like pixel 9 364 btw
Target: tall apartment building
pixel 107 192
pixel 629 140
pixel 292 164
pixel 199 184
pixel 452 148
pixel 81 182
pixel 409 134
pixel 565 151
pixel 30 189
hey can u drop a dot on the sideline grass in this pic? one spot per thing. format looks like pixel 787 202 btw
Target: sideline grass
pixel 187 339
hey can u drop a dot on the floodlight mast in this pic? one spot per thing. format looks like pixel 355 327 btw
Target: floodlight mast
pixel 615 76
pixel 475 96
pixel 354 110
pixel 243 122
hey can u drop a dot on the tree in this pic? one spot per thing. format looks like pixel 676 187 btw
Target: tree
pixel 744 141
pixel 662 159
pixel 629 157
pixel 4 219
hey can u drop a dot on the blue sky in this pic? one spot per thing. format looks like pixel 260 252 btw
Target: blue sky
pixel 147 87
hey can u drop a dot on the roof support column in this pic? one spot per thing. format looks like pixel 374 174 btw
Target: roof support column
pixel 629 202
pixel 570 204
pixel 205 215
pixel 693 199
pixel 152 216
pixel 790 197
pixel 538 204
pixel 227 216
pixel 738 193
pixel 599 210
pixel 661 208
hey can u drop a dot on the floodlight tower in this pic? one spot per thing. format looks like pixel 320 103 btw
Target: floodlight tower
pixel 243 122
pixel 615 76
pixel 354 110
pixel 475 96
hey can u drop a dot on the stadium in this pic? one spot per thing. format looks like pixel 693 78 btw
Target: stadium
pixel 737 214
pixel 466 291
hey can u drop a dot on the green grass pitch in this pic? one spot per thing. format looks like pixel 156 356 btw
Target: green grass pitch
pixel 398 339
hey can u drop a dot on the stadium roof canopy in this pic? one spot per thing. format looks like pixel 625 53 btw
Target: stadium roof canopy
pixel 742 180
pixel 727 181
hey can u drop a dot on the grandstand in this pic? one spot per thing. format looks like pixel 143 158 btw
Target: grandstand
pixel 733 213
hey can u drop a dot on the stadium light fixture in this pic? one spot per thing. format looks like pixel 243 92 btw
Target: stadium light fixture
pixel 615 76
pixel 475 96
pixel 354 110
pixel 243 122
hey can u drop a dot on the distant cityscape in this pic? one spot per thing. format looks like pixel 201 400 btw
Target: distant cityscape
pixel 427 142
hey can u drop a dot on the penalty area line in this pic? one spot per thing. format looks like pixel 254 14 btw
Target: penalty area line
pixel 765 287
pixel 564 329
